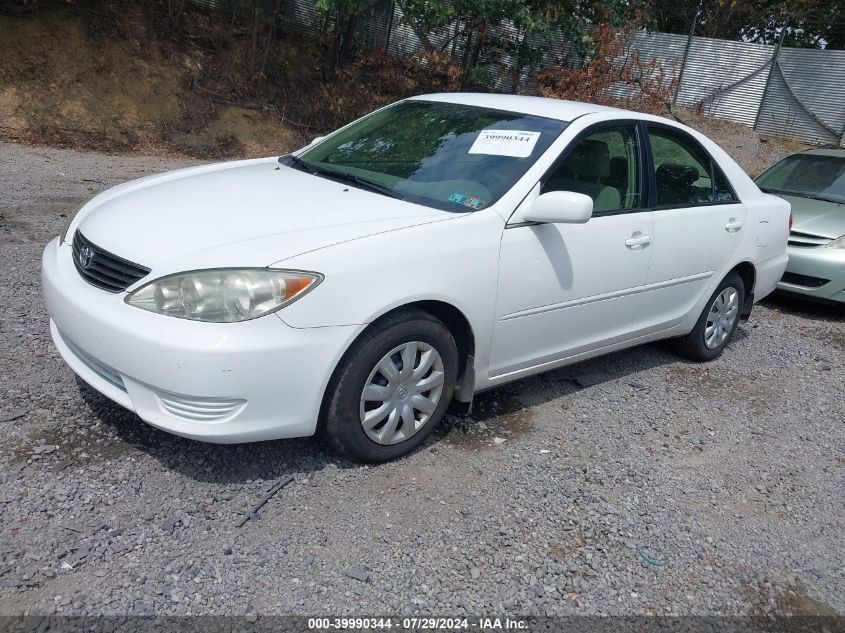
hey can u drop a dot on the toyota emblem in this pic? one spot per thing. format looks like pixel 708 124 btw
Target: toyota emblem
pixel 86 254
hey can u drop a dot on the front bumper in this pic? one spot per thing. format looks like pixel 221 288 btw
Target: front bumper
pixel 809 266
pixel 225 383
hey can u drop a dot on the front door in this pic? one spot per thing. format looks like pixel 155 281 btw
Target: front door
pixel 568 288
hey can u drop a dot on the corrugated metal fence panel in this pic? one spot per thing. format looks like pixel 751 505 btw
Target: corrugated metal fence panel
pixel 498 63
pixel 783 115
pixel 300 16
pixel 666 48
pixel 403 40
pixel 266 6
pixel 372 26
pixel 725 79
pixel 806 97
pixel 499 60
pixel 554 50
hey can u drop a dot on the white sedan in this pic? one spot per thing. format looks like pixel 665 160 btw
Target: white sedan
pixel 440 246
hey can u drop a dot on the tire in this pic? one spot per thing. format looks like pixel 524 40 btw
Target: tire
pixel 703 344
pixel 394 424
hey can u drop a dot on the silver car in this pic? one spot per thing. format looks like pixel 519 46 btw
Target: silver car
pixel 814 182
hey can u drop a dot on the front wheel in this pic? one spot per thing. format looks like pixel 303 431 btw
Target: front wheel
pixel 717 323
pixel 391 388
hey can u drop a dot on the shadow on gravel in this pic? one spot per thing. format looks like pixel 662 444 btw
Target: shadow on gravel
pixel 793 600
pixel 505 411
pixel 806 309
pixel 822 321
pixel 212 463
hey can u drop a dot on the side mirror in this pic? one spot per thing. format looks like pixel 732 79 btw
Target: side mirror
pixel 560 207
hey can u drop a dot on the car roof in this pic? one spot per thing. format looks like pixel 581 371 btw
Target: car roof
pixel 826 151
pixel 535 106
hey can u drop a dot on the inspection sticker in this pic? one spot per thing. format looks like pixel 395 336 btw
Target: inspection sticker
pixel 516 143
pixel 467 201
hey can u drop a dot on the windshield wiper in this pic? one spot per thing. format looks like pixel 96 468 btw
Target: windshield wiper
pixel 824 199
pixel 296 160
pixel 367 184
pixel 781 192
pixel 801 195
pixel 363 183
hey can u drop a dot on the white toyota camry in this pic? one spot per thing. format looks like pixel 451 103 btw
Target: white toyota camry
pixel 437 247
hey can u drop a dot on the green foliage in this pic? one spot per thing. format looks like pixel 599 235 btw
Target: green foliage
pixel 328 7
pixel 428 15
pixel 805 23
pixel 808 23
pixel 538 16
pixel 480 76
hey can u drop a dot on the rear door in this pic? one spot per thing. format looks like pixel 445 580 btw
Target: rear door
pixel 699 224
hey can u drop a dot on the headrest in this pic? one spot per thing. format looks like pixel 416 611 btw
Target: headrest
pixel 589 159
pixel 676 175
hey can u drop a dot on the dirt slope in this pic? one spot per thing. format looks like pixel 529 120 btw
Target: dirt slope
pixel 63 82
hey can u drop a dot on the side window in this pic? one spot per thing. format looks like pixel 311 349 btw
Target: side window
pixel 683 173
pixel 721 190
pixel 605 166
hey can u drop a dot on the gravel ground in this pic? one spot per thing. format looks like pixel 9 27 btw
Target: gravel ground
pixel 539 502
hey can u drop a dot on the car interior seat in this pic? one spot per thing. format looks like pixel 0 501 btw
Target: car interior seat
pixel 674 183
pixel 586 170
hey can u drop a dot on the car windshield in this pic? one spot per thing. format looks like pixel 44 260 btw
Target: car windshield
pixel 808 175
pixel 445 155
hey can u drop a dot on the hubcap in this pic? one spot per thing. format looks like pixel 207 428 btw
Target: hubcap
pixel 721 318
pixel 402 393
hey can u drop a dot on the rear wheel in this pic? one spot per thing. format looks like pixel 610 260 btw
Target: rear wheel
pixel 717 323
pixel 392 388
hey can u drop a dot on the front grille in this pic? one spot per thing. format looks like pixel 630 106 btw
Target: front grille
pixel 797 238
pixel 804 280
pixel 102 269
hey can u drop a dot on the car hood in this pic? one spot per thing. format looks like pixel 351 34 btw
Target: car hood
pixel 248 213
pixel 817 216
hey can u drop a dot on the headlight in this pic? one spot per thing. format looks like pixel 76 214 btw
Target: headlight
pixel 67 223
pixel 839 242
pixel 223 296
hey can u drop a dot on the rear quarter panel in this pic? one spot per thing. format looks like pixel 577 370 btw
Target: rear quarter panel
pixel 769 217
pixel 765 247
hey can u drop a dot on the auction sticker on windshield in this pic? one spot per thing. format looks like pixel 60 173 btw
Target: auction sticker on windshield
pixel 516 143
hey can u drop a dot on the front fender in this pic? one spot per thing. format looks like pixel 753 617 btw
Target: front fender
pixel 454 262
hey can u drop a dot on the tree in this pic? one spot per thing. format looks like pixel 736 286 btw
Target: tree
pixel 613 72
pixel 343 15
pixel 479 25
pixel 808 23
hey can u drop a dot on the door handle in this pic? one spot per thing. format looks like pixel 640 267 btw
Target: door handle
pixel 733 225
pixel 638 243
